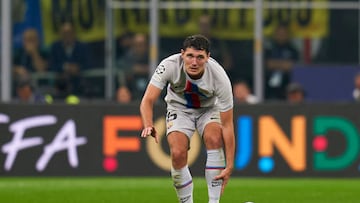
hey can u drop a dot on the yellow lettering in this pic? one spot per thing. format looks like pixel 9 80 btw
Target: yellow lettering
pixel 293 150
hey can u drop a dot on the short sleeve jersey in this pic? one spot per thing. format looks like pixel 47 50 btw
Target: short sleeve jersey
pixel 213 89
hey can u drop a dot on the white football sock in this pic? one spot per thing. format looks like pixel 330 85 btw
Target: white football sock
pixel 183 184
pixel 215 163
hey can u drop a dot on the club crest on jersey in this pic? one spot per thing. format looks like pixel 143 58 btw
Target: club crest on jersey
pixel 169 125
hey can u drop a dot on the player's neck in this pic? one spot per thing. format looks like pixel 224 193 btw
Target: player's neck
pixel 197 76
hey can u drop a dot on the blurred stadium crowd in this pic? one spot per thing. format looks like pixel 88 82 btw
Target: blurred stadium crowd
pixel 70 69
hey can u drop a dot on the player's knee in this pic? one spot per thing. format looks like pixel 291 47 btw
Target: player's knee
pixel 214 141
pixel 179 157
pixel 177 153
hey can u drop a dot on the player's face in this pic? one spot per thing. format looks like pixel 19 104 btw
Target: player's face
pixel 194 61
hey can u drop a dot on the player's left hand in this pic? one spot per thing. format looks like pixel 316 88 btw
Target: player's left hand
pixel 149 131
pixel 225 176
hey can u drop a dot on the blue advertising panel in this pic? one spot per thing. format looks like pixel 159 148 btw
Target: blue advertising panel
pixel 326 83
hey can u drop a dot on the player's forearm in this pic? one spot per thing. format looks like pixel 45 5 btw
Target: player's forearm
pixel 228 137
pixel 146 110
pixel 147 104
pixel 229 145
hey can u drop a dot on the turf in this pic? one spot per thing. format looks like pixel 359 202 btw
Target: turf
pixel 159 190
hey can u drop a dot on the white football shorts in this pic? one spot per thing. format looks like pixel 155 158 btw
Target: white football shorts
pixel 190 120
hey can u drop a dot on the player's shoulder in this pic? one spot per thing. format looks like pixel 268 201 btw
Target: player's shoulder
pixel 170 64
pixel 216 68
pixel 213 62
pixel 217 74
pixel 172 59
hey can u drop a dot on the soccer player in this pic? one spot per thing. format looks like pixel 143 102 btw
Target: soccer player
pixel 199 97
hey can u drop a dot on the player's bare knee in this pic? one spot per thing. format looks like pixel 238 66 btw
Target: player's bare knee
pixel 213 141
pixel 178 154
pixel 179 158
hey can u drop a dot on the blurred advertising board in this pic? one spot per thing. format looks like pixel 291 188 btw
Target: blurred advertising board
pixel 104 140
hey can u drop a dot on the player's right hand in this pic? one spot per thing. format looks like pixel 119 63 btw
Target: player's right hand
pixel 149 131
pixel 225 176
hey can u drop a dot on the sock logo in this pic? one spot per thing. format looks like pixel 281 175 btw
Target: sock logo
pixel 184 199
pixel 216 183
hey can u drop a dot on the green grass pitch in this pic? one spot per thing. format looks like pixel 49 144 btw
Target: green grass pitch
pixel 159 190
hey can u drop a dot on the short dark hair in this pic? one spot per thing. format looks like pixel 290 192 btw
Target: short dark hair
pixel 198 42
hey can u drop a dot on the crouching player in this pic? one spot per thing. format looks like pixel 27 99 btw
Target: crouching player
pixel 199 97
